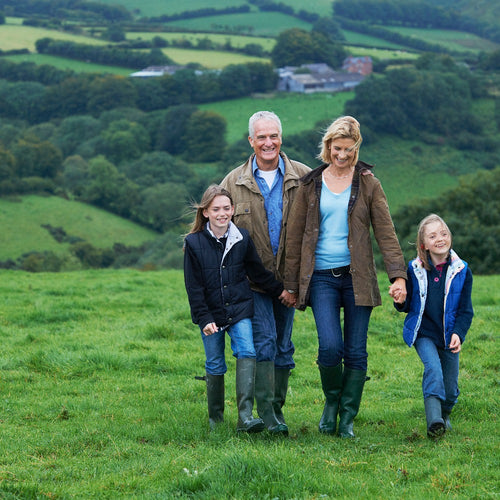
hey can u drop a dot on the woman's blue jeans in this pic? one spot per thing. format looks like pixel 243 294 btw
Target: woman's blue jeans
pixel 241 345
pixel 328 295
pixel 440 377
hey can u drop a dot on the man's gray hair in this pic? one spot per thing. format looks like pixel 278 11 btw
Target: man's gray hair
pixel 263 115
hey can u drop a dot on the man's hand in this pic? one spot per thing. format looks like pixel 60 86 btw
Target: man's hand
pixel 455 344
pixel 288 299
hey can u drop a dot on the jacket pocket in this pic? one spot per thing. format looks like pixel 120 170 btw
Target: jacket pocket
pixel 243 215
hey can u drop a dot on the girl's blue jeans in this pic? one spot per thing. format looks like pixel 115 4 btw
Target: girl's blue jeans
pixel 330 294
pixel 440 377
pixel 241 345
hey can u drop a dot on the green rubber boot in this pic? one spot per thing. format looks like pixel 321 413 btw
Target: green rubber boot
pixel 281 376
pixel 245 388
pixel 352 390
pixel 331 382
pixel 264 396
pixel 215 399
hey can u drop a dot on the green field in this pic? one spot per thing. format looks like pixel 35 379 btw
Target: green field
pixel 99 400
pixel 152 8
pixel 457 41
pixel 297 112
pixel 213 59
pixel 237 41
pixel 71 64
pixel 255 23
pixel 14 36
pixel 21 220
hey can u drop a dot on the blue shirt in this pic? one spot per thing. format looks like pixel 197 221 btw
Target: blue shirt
pixel 332 250
pixel 273 201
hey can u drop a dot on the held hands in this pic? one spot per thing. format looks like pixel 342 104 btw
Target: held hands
pixel 455 344
pixel 288 299
pixel 210 329
pixel 398 290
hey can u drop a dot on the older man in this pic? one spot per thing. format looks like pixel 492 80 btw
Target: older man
pixel 263 189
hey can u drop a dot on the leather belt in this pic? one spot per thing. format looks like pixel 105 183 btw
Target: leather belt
pixel 337 272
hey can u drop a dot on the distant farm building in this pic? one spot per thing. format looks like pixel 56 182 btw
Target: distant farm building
pixel 362 65
pixel 310 78
pixel 151 71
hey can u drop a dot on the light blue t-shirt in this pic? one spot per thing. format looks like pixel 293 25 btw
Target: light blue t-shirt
pixel 332 250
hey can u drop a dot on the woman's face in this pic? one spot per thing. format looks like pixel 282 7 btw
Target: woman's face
pixel 342 152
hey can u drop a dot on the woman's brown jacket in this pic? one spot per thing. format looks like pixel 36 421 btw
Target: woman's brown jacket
pixel 367 207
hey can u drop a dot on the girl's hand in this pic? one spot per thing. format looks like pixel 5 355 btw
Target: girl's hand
pixel 455 344
pixel 210 329
pixel 398 290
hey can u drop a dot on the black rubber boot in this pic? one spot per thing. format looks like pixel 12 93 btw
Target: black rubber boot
pixel 352 390
pixel 281 376
pixel 435 423
pixel 245 384
pixel 215 399
pixel 264 396
pixel 331 382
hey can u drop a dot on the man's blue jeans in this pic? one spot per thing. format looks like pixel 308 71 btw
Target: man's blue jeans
pixel 241 345
pixel 328 295
pixel 272 331
pixel 440 377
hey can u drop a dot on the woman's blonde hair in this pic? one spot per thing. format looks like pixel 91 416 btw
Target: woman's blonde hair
pixel 422 253
pixel 208 196
pixel 345 127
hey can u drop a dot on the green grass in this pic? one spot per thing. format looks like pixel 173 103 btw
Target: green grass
pixel 298 112
pixel 213 59
pixel 452 40
pixel 238 41
pixel 21 221
pixel 260 23
pixel 71 64
pixel 99 400
pixel 14 36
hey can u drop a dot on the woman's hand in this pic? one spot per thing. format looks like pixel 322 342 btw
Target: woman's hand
pixel 398 290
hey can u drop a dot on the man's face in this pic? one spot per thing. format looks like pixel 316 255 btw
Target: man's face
pixel 266 143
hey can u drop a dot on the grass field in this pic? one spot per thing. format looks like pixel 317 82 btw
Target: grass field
pixel 297 112
pixel 71 64
pixel 259 23
pixel 14 36
pixel 457 41
pixel 99 400
pixel 155 8
pixel 24 216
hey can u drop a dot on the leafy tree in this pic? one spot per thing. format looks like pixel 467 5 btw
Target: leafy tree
pixel 205 137
pixel 330 28
pixel 172 132
pixel 295 47
pixel 109 189
pixel 471 210
pixel 7 164
pixel 110 92
pixel 235 80
pixel 75 130
pixel 163 206
pixel 124 140
pixel 36 158
pixel 75 174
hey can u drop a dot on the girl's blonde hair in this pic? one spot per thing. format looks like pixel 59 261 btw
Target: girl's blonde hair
pixel 345 127
pixel 208 196
pixel 422 253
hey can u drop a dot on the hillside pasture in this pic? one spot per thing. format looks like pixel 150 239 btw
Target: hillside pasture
pixel 456 41
pixel 21 220
pixel 298 112
pixel 254 23
pixel 70 64
pixel 213 59
pixel 237 41
pixel 99 400
pixel 14 36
